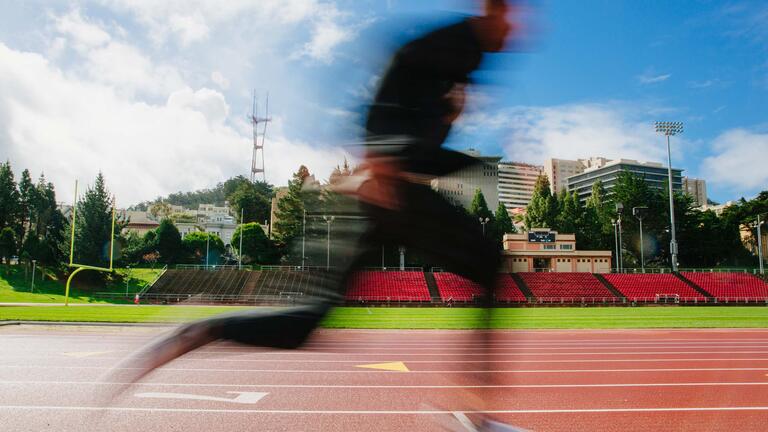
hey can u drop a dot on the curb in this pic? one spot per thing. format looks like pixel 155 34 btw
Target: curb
pixel 88 324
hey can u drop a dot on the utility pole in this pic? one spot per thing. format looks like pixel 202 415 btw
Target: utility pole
pixel 303 239
pixel 328 220
pixel 638 212
pixel 619 210
pixel 242 234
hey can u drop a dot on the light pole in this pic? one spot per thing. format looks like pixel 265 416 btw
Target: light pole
pixel 638 212
pixel 669 129
pixel 207 248
pixel 483 222
pixel 127 277
pixel 32 289
pixel 240 250
pixel 616 242
pixel 759 247
pixel 328 220
pixel 619 209
pixel 303 239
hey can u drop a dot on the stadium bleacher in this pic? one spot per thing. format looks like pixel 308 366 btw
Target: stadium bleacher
pixel 568 287
pixel 650 287
pixel 507 290
pixel 730 287
pixel 453 287
pixel 397 286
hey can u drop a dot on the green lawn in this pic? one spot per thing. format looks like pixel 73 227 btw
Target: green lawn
pixel 16 286
pixel 426 318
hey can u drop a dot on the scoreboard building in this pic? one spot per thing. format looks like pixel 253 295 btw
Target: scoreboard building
pixel 542 250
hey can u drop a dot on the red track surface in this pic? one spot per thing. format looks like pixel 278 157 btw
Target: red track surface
pixel 63 379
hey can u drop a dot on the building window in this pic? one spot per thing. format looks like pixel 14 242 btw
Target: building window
pixel 549 247
pixel 566 247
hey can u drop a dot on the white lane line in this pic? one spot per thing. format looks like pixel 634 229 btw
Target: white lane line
pixel 533 343
pixel 614 360
pixel 241 398
pixel 378 412
pixel 392 387
pixel 516 353
pixel 370 371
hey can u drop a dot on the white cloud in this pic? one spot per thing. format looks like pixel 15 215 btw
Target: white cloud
pixel 218 78
pixel 652 79
pixel 189 28
pixel 534 134
pixel 84 34
pixel 326 35
pixel 71 127
pixel 739 160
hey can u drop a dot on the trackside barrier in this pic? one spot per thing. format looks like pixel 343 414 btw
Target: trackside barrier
pixel 149 285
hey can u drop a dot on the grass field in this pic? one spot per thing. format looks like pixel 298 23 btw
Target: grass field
pixel 16 286
pixel 429 318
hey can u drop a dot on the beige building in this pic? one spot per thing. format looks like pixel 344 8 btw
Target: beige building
pixel 558 170
pixel 697 188
pixel 460 187
pixel 516 181
pixel 139 222
pixel 542 250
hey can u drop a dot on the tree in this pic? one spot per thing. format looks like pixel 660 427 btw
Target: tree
pixel 250 200
pixel 7 244
pixel 291 207
pixel 257 248
pixel 502 224
pixel 168 242
pixel 542 210
pixel 94 225
pixel 196 243
pixel 27 199
pixel 9 196
pixel 594 230
pixel 161 210
pixel 568 217
pixel 478 208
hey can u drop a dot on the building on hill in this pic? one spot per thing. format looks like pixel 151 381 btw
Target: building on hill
pixel 460 187
pixel 516 181
pixel 697 188
pixel 542 250
pixel 654 174
pixel 139 222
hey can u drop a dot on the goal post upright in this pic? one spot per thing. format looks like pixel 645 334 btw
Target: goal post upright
pixel 80 267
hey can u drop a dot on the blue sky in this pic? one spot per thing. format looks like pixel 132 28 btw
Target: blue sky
pixel 156 94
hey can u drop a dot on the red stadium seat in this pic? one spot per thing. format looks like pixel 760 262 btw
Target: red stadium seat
pixel 397 286
pixel 553 287
pixel 645 287
pixel 730 286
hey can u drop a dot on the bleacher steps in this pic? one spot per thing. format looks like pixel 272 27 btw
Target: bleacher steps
pixel 691 284
pixel 432 285
pixel 523 287
pixel 608 285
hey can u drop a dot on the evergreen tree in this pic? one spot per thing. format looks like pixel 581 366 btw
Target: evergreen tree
pixel 167 242
pixel 568 217
pixel 27 199
pixel 502 224
pixel 291 207
pixel 479 207
pixel 7 244
pixel 94 225
pixel 9 197
pixel 542 210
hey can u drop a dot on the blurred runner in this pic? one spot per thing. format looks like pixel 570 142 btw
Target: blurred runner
pixel 419 98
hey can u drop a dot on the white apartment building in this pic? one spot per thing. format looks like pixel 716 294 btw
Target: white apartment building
pixel 516 182
pixel 697 188
pixel 460 187
pixel 558 170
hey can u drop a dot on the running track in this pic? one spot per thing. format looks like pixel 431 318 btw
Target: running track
pixel 63 379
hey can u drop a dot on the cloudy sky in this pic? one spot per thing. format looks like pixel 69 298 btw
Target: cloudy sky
pixel 156 94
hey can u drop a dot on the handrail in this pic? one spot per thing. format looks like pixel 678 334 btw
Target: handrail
pixel 149 285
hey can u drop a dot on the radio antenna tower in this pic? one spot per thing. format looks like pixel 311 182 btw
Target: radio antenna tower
pixel 259 147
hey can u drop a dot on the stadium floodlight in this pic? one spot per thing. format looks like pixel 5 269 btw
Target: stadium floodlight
pixel 616 242
pixel 639 213
pixel 669 129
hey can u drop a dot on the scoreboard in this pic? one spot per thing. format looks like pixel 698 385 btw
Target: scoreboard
pixel 541 237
